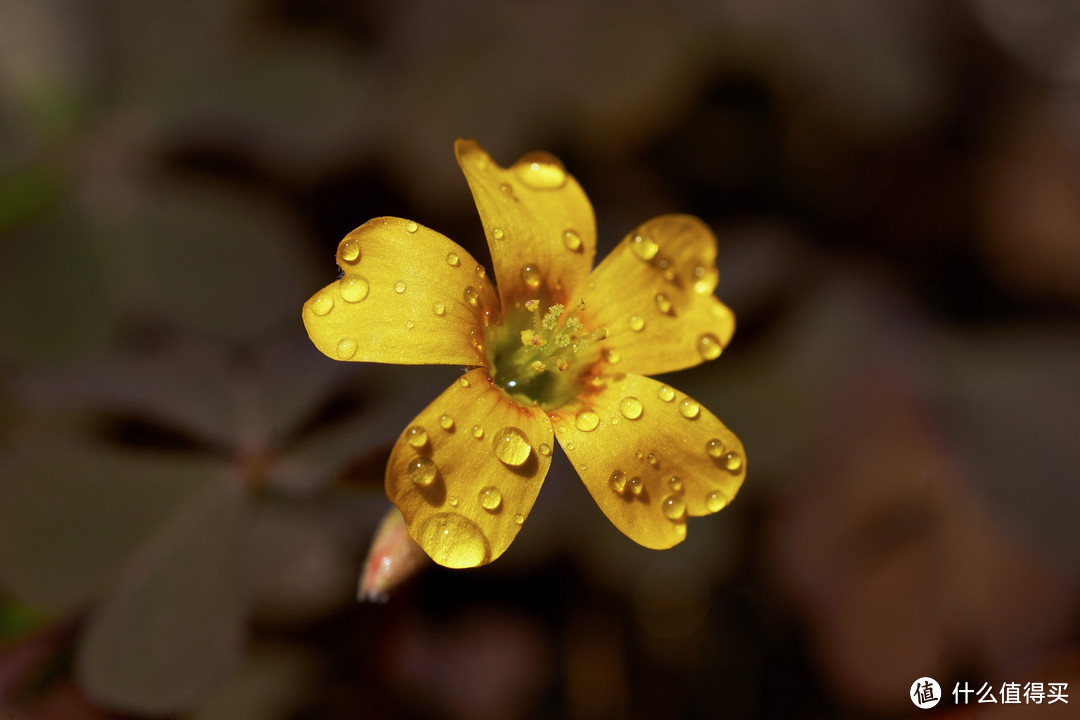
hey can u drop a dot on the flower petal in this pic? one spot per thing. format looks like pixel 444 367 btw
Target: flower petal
pixel 466 472
pixel 408 295
pixel 653 293
pixel 650 456
pixel 535 216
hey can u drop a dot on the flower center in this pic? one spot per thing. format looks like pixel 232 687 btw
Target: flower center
pixel 541 355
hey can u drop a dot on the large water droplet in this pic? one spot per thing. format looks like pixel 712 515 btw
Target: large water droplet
pixel 350 250
pixel 322 304
pixel 618 481
pixel 439 309
pixel 530 275
pixel 545 449
pixel 715 447
pixel 399 286
pixel 586 420
pixel 454 541
pixel 732 462
pixel 689 408
pixel 512 446
pixel 541 171
pixel 644 247
pixel 498 234
pixel 709 346
pixel 411 227
pixel 663 303
pixel 631 407
pixel 674 507
pixel 637 323
pixel 471 295
pixel 416 436
pixel 571 241
pixel 446 422
pixel 490 498
pixel 422 471
pixel 666 393
pixel 353 289
pixel 715 501
pixel 452 259
pixel 346 348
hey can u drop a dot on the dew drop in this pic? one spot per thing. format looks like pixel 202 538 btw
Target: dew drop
pixel 411 226
pixel 416 436
pixel 490 498
pixel 689 408
pixel 709 346
pixel 618 481
pixel 644 247
pixel 512 446
pixel 463 381
pixel 446 422
pixel 452 259
pixel 541 171
pixel 507 190
pixel 480 271
pixel 545 449
pixel 715 501
pixel 652 459
pixel 471 295
pixel 715 447
pixel 705 282
pixel 453 501
pixel 409 325
pixel 612 356
pixel 477 432
pixel 663 303
pixel 399 286
pixel 666 393
pixel 571 240
pixel 637 323
pixel 422 471
pixel 675 484
pixel 569 445
pixel 639 455
pixel 346 348
pixel 497 233
pixel 674 507
pixel 439 309
pixel 530 275
pixel 322 304
pixel 586 420
pixel 350 250
pixel 733 462
pixel 519 519
pixel 631 408
pixel 636 485
pixel 454 541
pixel 353 289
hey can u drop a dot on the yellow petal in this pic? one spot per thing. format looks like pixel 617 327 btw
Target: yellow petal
pixel 466 472
pixel 653 293
pixel 631 438
pixel 408 295
pixel 539 223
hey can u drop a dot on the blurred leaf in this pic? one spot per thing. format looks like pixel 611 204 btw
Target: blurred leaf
pixel 172 631
pixel 71 516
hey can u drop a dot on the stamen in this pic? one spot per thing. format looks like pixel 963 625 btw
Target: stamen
pixel 537 366
pixel 563 364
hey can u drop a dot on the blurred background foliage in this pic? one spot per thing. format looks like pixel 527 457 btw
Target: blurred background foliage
pixel 187 488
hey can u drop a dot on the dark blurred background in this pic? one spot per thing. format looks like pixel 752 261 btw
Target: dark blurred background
pixel 188 488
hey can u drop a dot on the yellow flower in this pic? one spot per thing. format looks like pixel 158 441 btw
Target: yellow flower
pixel 555 352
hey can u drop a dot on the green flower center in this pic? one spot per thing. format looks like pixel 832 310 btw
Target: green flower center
pixel 540 356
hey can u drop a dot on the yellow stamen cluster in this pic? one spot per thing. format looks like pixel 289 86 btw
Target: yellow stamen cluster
pixel 557 331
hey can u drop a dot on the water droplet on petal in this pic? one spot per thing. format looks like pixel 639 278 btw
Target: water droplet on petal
pixel 545 449
pixel 411 226
pixel 350 250
pixel 618 481
pixel 612 356
pixel 506 190
pixel 675 484
pixel 512 446
pixel 446 422
pixel 409 325
pixel 439 309
pixel 663 303
pixel 674 507
pixel 422 471
pixel 322 304
pixel 571 241
pixel 346 348
pixel 637 323
pixel 477 432
pixel 689 408
pixel 530 275
pixel 463 381
pixel 569 445
pixel 519 519
pixel 454 541
pixel 399 286
pixel 636 485
pixel 639 455
pixel 497 233
pixel 480 271
pixel 586 420
pixel 715 447
pixel 652 459
pixel 732 461
pixel 471 295
pixel 644 247
pixel 541 171
pixel 353 289
pixel 453 501
pixel 709 346
pixel 705 282
pixel 416 436
pixel 666 393
pixel 452 259
pixel 490 498
pixel 631 407
pixel 715 501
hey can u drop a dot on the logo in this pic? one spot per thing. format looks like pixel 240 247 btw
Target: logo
pixel 925 693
